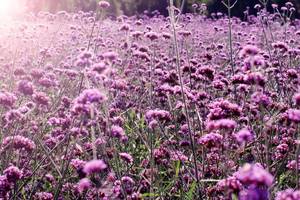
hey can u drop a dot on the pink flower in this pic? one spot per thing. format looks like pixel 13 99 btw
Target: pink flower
pixel 254 175
pixel 94 166
pixel 104 4
pixel 126 157
pixel 84 184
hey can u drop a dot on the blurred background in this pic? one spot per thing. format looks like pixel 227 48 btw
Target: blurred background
pixel 131 7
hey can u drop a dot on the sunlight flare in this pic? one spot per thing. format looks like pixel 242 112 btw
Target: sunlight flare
pixel 10 8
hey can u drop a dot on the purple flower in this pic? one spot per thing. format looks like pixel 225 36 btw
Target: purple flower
pixel 223 109
pixel 254 193
pixel 13 174
pixel 255 78
pixel 110 55
pixel 117 131
pixel 127 180
pixel 153 124
pixel 90 96
pixel 94 166
pixel 231 184
pixel 100 68
pixel 41 98
pixel 25 87
pixel 281 46
pixel 126 157
pixel 78 164
pixel 211 140
pixel 178 155
pixel 84 184
pixel 152 35
pixel 158 115
pixel 226 124
pixel 18 142
pixel 297 99
pixel 44 196
pixel 293 115
pixel 288 194
pixel 249 50
pixel 47 82
pixel 254 174
pixel 244 135
pixel 104 4
pixel 4 187
pixel 292 164
pixel 260 98
pixel 7 99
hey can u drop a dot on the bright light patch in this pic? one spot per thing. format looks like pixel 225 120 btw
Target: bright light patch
pixel 10 8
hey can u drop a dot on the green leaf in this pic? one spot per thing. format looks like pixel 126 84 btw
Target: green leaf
pixel 191 192
pixel 150 195
pixel 177 169
pixel 234 197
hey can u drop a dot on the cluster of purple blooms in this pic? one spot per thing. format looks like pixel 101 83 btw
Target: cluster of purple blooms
pixel 100 111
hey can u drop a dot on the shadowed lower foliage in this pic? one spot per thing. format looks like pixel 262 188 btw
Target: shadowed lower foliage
pixel 150 107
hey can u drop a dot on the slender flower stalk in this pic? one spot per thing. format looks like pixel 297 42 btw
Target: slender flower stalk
pixel 191 137
pixel 229 7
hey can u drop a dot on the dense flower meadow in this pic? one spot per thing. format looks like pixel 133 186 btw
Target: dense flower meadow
pixel 179 107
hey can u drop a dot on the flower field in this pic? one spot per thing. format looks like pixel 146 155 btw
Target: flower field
pixel 179 107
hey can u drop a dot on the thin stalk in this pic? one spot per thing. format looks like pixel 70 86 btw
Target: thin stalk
pixel 191 138
pixel 182 6
pixel 65 167
pixel 230 37
pixel 151 162
pixel 297 159
pixel 91 35
pixel 35 170
pixel 93 134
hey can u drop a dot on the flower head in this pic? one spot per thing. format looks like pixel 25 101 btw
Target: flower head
pixel 94 166
pixel 244 135
pixel 84 184
pixel 104 4
pixel 253 174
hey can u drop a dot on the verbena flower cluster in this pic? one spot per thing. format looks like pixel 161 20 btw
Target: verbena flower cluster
pixel 94 107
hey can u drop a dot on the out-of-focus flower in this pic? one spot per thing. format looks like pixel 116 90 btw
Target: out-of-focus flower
pixel 44 196
pixel 249 50
pixel 127 180
pixel 231 184
pixel 283 47
pixel 90 96
pixel 297 99
pixel 254 193
pixel 41 98
pixel 152 35
pixel 253 174
pixel 18 142
pixel 226 124
pixel 288 194
pixel 94 166
pixel 126 157
pixel 158 114
pixel 211 139
pixel 293 115
pixel 84 184
pixel 117 131
pixel 25 87
pixel 104 4
pixel 7 99
pixel 244 135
